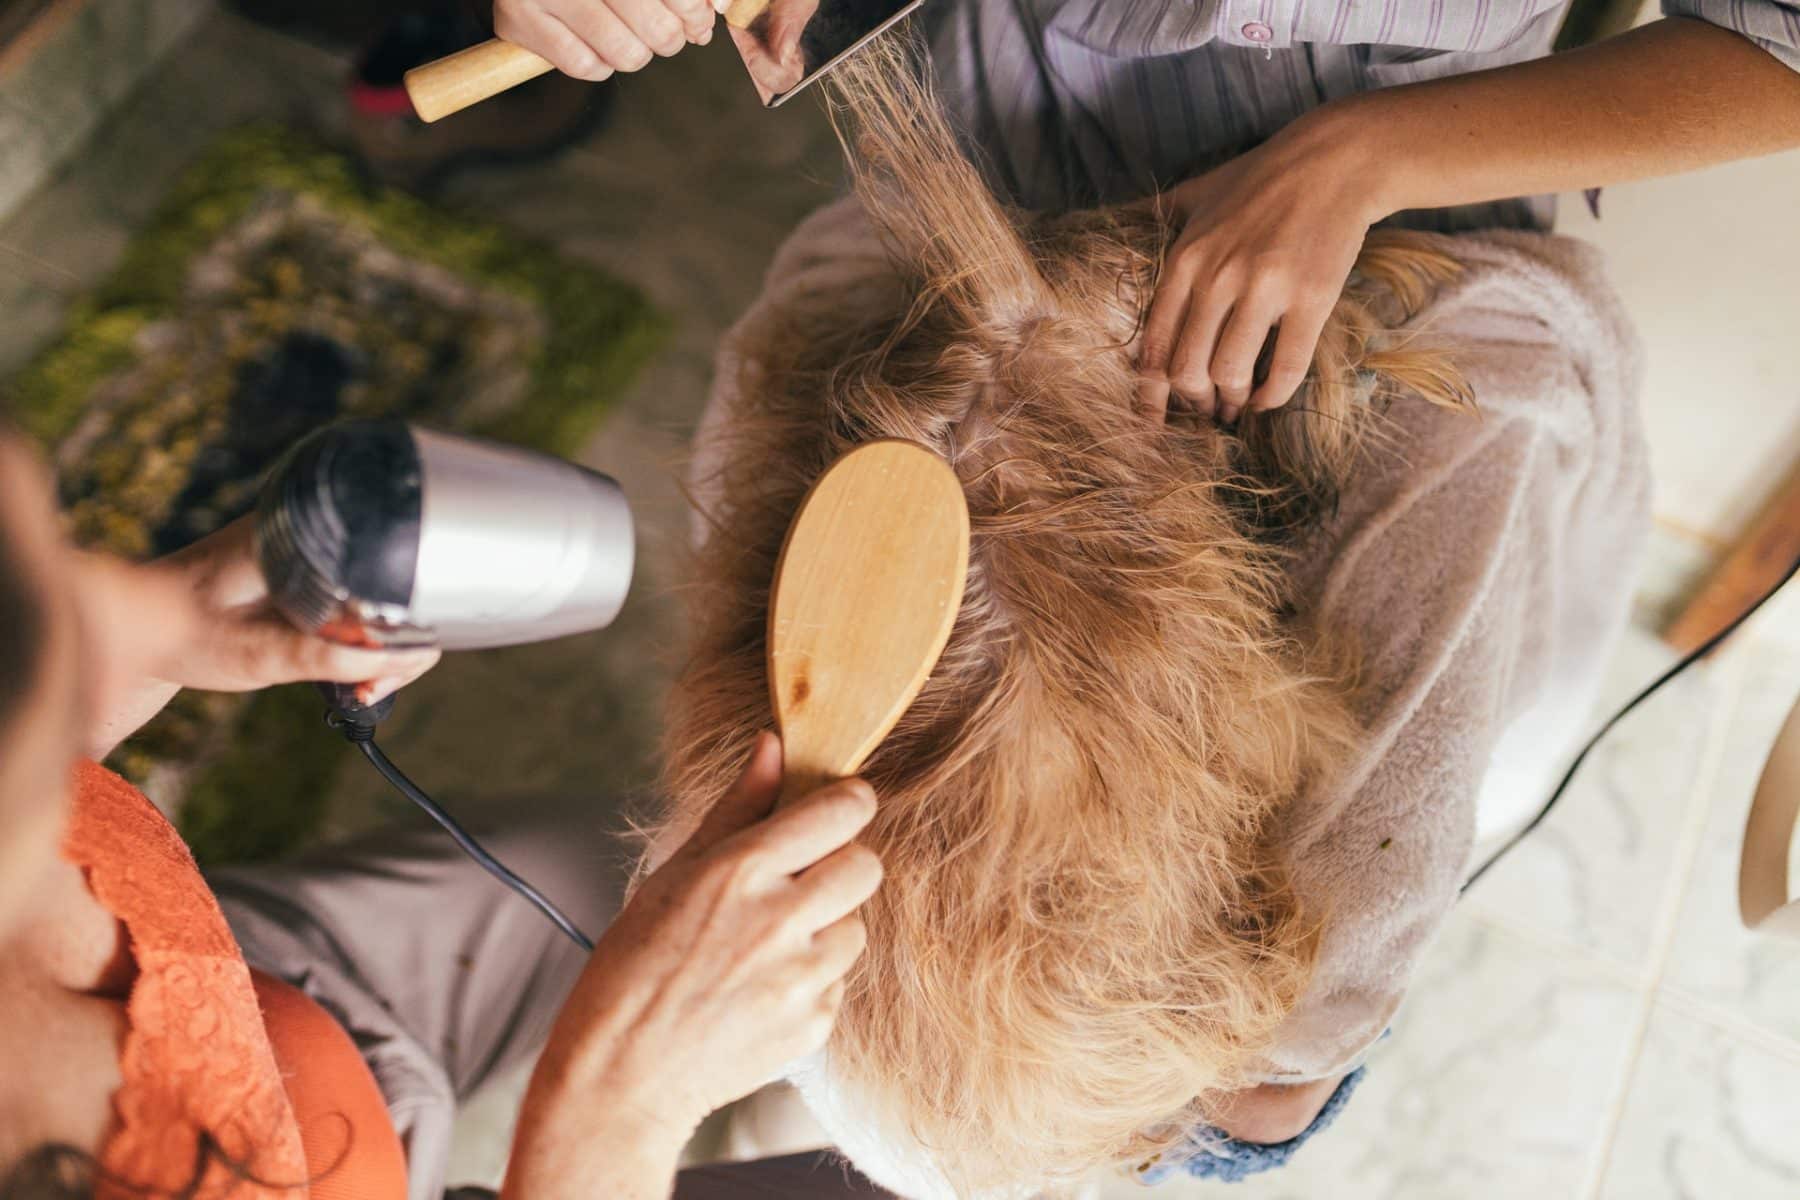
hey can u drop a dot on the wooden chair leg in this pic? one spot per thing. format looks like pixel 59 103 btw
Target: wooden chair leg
pixel 1764 554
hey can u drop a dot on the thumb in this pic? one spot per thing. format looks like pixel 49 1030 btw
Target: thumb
pixel 748 800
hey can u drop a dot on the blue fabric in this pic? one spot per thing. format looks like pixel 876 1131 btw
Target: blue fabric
pixel 1209 1153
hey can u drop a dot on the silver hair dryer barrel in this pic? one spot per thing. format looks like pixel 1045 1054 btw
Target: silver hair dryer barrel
pixel 381 533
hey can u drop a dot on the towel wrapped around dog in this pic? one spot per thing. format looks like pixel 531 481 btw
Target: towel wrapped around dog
pixel 1482 565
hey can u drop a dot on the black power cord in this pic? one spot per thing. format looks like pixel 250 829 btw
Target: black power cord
pixel 362 736
pixel 1691 658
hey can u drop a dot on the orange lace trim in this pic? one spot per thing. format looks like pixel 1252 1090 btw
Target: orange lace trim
pixel 196 1059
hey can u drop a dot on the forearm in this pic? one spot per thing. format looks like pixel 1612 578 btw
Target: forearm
pixel 1672 96
pixel 573 1144
pixel 132 712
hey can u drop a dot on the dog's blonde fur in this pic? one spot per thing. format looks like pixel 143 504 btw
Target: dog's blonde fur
pixel 1086 933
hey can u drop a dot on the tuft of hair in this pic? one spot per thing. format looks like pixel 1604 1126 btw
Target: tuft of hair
pixel 1087 932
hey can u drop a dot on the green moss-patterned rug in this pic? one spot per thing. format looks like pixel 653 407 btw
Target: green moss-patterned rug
pixel 275 293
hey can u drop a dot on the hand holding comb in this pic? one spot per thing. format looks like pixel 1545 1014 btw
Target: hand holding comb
pixel 785 45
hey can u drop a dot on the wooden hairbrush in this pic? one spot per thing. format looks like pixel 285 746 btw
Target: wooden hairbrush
pixel 866 591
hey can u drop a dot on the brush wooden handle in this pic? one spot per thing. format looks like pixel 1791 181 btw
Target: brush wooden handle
pixel 470 76
pixel 868 586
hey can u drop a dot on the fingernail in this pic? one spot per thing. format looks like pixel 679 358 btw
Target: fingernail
pixel 377 690
pixel 706 35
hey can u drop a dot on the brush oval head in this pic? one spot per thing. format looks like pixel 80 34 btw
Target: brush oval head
pixel 866 591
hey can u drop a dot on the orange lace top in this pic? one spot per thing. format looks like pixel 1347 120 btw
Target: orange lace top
pixel 198 1062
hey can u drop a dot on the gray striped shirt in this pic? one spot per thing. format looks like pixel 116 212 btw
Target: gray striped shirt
pixel 1075 102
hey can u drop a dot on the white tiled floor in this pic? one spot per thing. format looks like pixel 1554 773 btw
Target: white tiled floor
pixel 1711 1114
pixel 1709 265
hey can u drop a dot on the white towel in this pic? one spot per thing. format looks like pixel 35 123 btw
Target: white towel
pixel 1485 567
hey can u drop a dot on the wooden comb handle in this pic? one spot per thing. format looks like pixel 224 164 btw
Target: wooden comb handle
pixel 470 76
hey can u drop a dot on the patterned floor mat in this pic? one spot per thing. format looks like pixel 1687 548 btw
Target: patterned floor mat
pixel 275 293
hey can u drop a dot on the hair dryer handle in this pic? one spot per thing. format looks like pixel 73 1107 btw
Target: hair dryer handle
pixel 349 714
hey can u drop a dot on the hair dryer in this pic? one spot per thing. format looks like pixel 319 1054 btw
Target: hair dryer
pixel 385 534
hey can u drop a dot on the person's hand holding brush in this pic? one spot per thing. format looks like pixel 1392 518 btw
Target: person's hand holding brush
pixel 725 966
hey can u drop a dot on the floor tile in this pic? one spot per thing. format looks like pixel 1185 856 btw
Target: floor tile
pixel 1710 1117
pixel 1594 874
pixel 1779 622
pixel 1493 1085
pixel 66 241
pixel 687 191
pixel 1706 264
pixel 230 73
pixel 1713 958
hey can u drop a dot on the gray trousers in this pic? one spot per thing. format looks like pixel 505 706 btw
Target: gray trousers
pixel 444 979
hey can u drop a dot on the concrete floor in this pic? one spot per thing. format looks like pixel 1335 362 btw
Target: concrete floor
pixel 1592 1023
